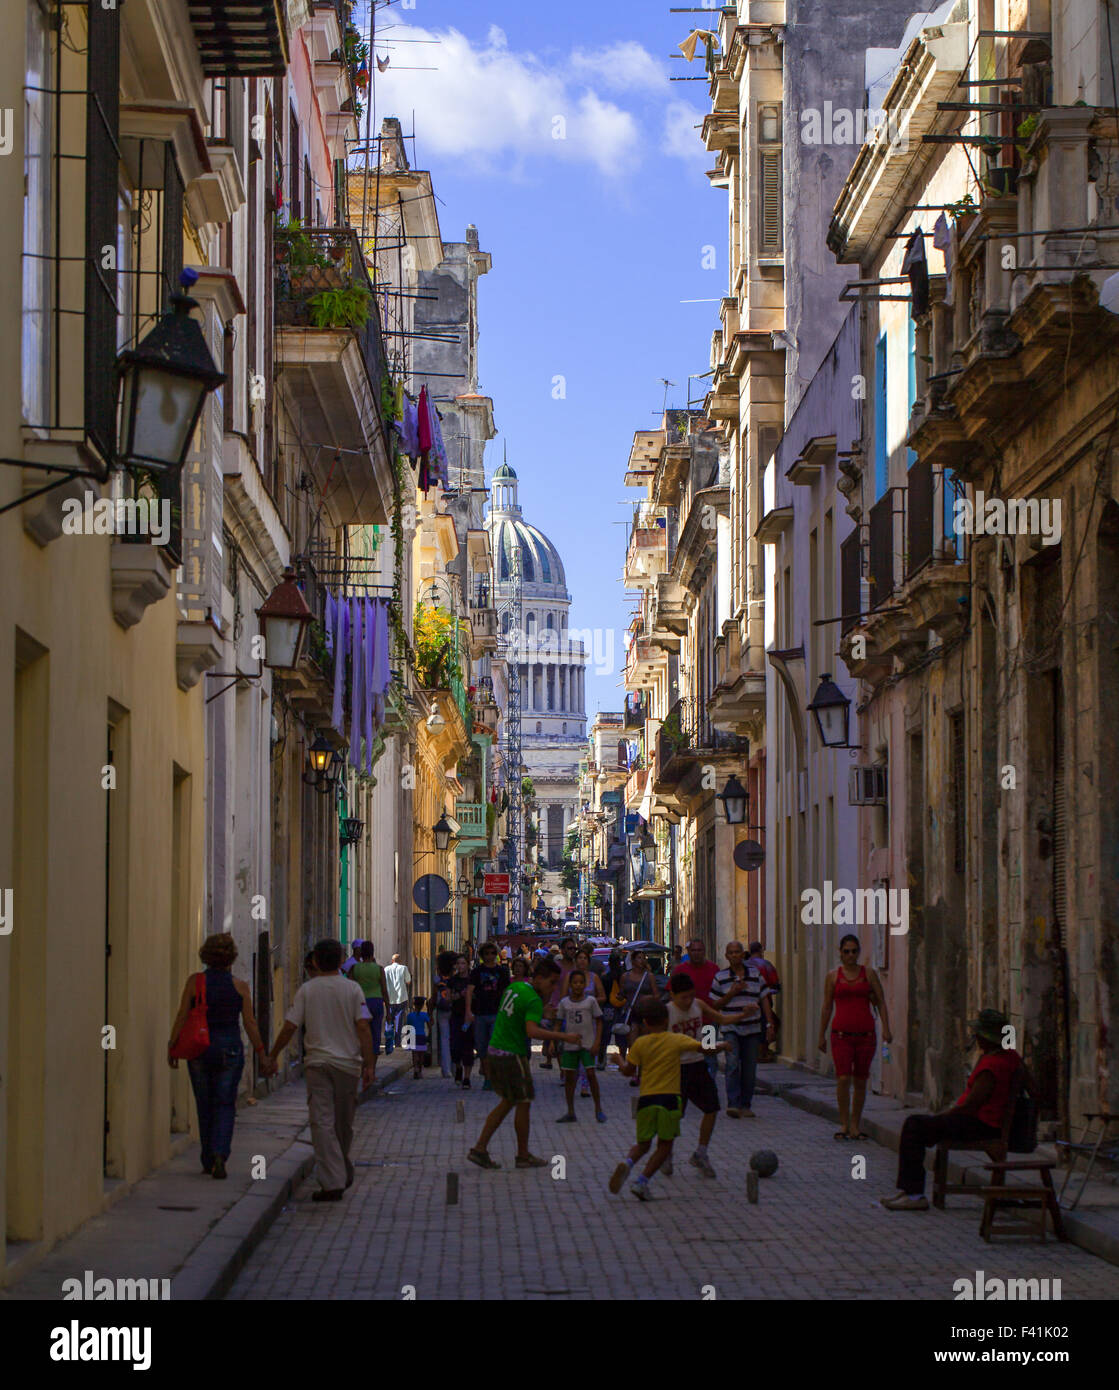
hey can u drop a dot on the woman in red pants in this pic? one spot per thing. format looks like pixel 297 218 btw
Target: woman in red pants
pixel 851 991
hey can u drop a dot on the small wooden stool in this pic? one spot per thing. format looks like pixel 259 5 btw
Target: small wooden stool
pixel 999 1193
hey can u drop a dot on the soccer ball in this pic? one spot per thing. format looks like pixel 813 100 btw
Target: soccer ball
pixel 764 1162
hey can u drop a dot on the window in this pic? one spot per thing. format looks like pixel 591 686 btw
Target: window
pixel 911 389
pixel 101 172
pixel 881 452
pixel 565 728
pixel 539 727
pixel 35 343
pixel 769 180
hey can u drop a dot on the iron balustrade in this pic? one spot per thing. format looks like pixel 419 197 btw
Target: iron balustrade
pixel 885 547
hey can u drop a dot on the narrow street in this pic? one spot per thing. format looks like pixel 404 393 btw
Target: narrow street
pixel 815 1233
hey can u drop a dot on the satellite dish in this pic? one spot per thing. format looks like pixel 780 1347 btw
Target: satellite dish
pixel 431 892
pixel 749 855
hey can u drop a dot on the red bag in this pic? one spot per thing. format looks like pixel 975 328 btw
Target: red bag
pixel 195 1036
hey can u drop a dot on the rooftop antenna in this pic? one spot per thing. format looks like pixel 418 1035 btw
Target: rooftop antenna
pixel 667 384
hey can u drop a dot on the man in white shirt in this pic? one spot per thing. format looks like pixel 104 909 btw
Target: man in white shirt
pixel 337 1056
pixel 398 979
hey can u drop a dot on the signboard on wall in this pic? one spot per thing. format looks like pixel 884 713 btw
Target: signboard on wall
pixel 495 885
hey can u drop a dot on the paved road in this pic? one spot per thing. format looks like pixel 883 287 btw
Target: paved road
pixel 816 1232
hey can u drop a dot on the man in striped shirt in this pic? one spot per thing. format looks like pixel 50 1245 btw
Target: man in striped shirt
pixel 741 990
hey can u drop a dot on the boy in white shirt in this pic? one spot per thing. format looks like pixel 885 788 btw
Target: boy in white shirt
pixel 687 1015
pixel 580 1012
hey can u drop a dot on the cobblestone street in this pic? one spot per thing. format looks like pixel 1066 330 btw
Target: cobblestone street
pixel 816 1232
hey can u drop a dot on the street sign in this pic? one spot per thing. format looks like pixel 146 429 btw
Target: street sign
pixel 749 855
pixel 495 885
pixel 431 893
pixel 433 922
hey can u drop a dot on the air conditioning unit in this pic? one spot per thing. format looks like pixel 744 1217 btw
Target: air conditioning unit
pixel 866 785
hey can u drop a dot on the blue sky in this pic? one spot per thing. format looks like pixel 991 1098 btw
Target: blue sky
pixel 596 239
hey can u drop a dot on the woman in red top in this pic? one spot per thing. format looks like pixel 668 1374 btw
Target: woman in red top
pixel 851 991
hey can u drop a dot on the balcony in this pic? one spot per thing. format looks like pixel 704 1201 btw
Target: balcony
pixel 647 551
pixel 634 712
pixel 239 39
pixel 473 836
pixel 310 687
pixel 330 364
pixel 737 703
pixel 687 744
pixel 644 662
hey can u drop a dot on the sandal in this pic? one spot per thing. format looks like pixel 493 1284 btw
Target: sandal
pixel 862 1135
pixel 531 1162
pixel 482 1159
pixel 841 1134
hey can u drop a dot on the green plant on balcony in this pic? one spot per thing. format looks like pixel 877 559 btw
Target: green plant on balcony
pixel 295 247
pixel 316 646
pixel 436 647
pixel 673 734
pixel 528 790
pixel 342 308
pixel 962 207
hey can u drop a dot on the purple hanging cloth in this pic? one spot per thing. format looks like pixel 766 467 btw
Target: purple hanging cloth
pixel 368 688
pixel 341 644
pixel 439 451
pixel 409 429
pixel 382 666
pixel 331 618
pixel 357 685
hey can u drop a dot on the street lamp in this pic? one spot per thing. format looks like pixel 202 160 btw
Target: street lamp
pixel 324 765
pixel 284 620
pixel 735 801
pixel 831 710
pixel 479 881
pixel 435 721
pixel 165 380
pixel 463 886
pixel 442 832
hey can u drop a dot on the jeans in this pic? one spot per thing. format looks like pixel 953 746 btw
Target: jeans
pixel 483 1031
pixel 376 1009
pixel 920 1132
pixel 215 1077
pixel 742 1068
pixel 394 1013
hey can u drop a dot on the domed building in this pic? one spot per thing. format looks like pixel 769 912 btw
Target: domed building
pixel 553 695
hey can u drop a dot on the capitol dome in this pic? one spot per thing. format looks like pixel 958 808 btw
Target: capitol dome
pixel 541 567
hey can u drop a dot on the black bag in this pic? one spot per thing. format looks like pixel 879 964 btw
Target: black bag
pixel 1022 1138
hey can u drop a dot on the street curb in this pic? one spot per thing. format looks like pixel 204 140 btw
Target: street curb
pixel 212 1267
pixel 1080 1227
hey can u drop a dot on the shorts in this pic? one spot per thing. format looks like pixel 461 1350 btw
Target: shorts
pixel 698 1086
pixel 852 1054
pixel 571 1061
pixel 510 1077
pixel 657 1122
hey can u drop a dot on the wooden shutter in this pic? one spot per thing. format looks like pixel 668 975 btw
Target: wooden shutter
pixel 770 202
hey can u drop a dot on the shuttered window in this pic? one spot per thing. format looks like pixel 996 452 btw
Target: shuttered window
pixel 769 180
pixel 101 182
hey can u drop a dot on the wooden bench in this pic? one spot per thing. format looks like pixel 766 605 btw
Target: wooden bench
pixel 995 1149
pixel 999 1193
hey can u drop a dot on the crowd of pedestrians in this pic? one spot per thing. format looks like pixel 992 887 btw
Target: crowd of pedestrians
pixel 490 1009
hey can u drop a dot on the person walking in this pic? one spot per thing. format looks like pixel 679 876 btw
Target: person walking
pixel 462 1029
pixel 488 982
pixel 768 970
pixel 371 977
pixel 216 1074
pixel 580 1013
pixel 740 990
pixel 566 963
pixel 417 1024
pixel 519 1017
pixel 439 1006
pixel 638 988
pixel 614 1004
pixel 337 1058
pixel 398 983
pixel 851 991
pixel 978 1114
pixel 520 970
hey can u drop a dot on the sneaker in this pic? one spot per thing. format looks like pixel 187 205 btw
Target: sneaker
pixel 481 1158
pixel 641 1191
pixel 703 1163
pixel 618 1178
pixel 601 1118
pixel 567 1119
pixel 905 1201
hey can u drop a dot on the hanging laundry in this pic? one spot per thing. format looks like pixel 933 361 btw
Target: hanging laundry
pixel 424 411
pixel 341 647
pixel 368 668
pixel 439 452
pixel 331 619
pixel 357 684
pixel 916 266
pixel 381 671
pixel 942 240
pixel 407 426
pixel 688 47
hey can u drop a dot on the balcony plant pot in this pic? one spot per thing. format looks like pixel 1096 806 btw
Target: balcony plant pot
pixel 1001 182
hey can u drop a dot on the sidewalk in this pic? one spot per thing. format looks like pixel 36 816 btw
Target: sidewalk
pixel 179 1224
pixel 1094 1225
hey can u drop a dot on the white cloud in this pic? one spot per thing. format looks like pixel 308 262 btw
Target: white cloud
pixel 681 138
pixel 623 67
pixel 492 106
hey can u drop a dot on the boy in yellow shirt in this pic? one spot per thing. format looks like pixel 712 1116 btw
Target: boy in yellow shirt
pixel 656 1053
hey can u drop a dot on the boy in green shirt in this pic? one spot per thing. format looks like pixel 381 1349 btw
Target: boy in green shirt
pixel 518 1020
pixel 657 1054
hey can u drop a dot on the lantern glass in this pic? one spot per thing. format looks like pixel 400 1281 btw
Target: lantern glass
pixel 161 409
pixel 283 642
pixel 734 798
pixel 831 708
pixel 320 755
pixel 442 832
